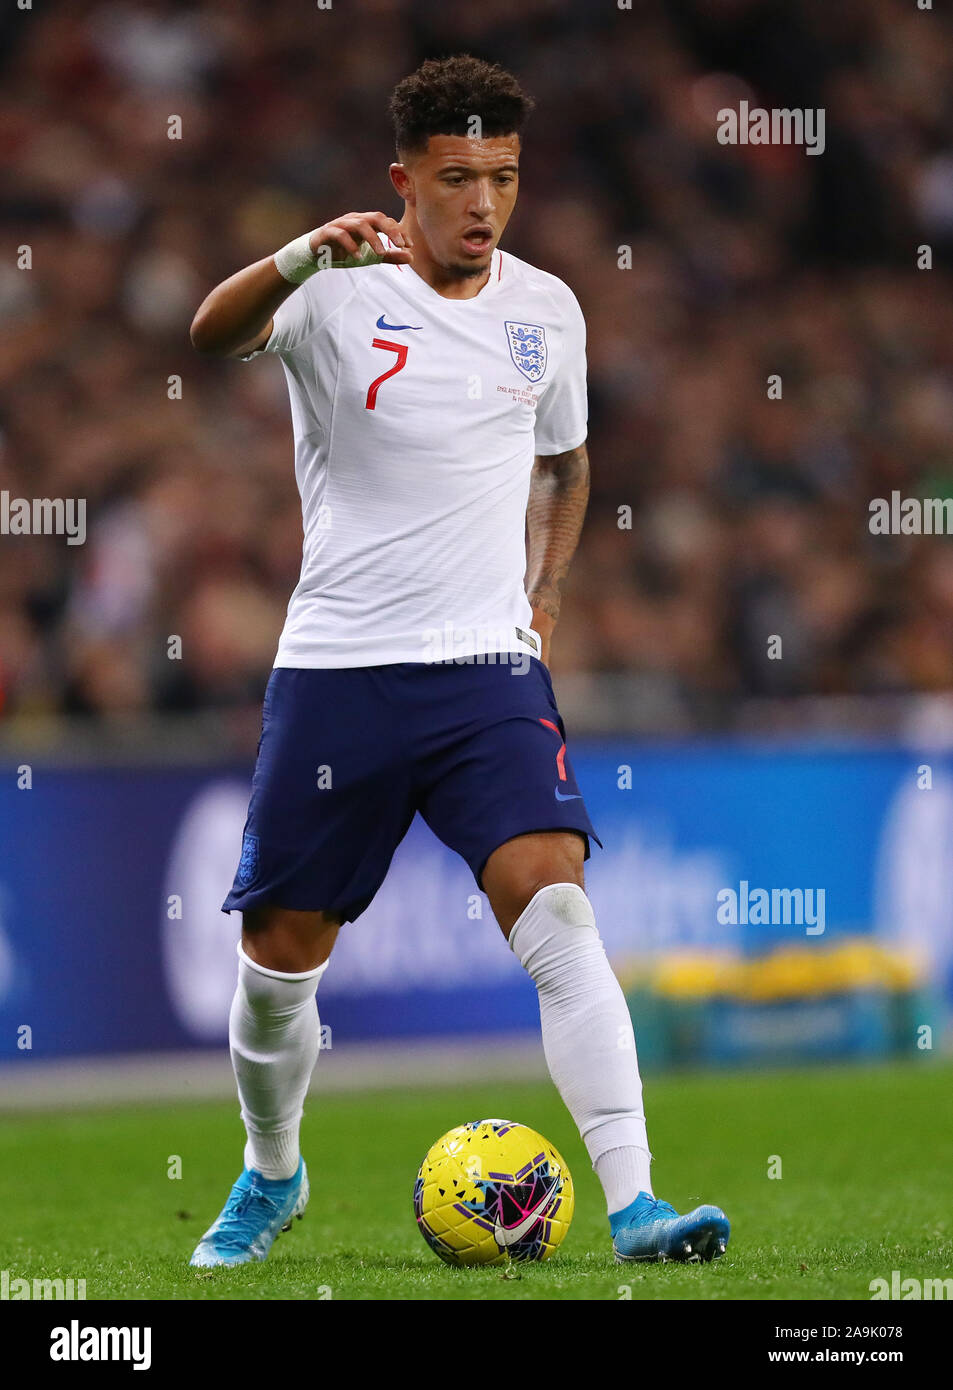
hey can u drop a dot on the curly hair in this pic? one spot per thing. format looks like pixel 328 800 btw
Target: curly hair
pixel 443 95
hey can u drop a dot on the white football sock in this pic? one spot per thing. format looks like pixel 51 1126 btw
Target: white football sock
pixel 624 1173
pixel 274 1036
pixel 587 1036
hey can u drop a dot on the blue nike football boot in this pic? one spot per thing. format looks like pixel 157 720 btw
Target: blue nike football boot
pixel 257 1209
pixel 648 1229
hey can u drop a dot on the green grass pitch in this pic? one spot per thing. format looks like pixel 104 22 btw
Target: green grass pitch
pixel 866 1155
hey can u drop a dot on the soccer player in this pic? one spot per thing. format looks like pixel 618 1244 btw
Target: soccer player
pixel 438 396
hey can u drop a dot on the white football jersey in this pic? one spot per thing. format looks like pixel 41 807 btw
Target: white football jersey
pixel 416 422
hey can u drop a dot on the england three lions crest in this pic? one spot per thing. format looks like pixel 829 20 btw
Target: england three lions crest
pixel 527 348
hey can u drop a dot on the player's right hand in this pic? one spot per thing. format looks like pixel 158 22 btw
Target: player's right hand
pixel 353 240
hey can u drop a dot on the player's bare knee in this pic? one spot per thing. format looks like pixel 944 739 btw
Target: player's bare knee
pixel 565 895
pixel 288 941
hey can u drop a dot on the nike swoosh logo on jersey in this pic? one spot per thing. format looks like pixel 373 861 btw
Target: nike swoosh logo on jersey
pixel 509 1235
pixel 573 796
pixel 398 327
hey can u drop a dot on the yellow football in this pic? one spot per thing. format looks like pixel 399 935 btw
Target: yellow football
pixel 491 1191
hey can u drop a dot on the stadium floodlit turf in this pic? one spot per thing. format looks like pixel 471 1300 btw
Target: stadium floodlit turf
pixel 866 1155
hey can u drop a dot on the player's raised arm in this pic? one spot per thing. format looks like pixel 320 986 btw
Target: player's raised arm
pixel 236 318
pixel 558 495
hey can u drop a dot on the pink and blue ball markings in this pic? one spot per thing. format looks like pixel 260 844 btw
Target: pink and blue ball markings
pixel 506 1201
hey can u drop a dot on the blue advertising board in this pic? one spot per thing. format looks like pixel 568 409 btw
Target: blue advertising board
pixel 111 881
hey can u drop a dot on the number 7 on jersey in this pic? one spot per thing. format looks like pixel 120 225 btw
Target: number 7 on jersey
pixel 401 350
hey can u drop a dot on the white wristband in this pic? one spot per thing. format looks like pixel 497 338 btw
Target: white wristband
pixel 296 262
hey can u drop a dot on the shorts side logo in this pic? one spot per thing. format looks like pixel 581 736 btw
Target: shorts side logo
pixel 248 864
pixel 561 764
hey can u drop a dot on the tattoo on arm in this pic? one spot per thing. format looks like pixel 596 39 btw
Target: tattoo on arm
pixel 558 494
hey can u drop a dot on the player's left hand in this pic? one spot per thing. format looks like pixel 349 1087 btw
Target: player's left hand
pixel 354 241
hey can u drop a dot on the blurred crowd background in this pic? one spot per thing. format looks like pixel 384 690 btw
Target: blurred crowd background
pixel 749 515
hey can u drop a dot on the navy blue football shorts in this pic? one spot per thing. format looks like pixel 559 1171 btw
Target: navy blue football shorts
pixel 346 757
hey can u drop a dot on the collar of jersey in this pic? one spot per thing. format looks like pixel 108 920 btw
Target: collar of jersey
pixel 412 280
